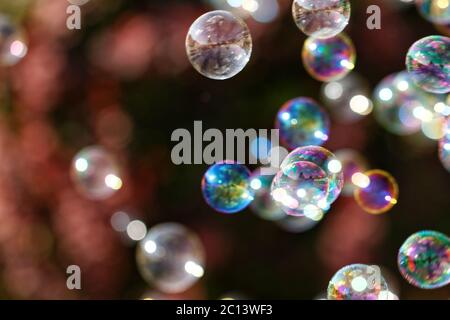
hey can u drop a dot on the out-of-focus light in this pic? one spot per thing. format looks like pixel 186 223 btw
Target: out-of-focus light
pixel 361 105
pixel 403 85
pixel 194 269
pixel 442 108
pixel 320 135
pixel 313 212
pixel 18 49
pixel 360 180
pixel 333 90
pixel 234 3
pixel 136 230
pixel 347 64
pixel 335 166
pixel 119 221
pixel 422 114
pixel 250 5
pixel 301 193
pixel 150 246
pixel 81 165
pixel 359 284
pixel 386 94
pixel 433 129
pixel 113 181
pixel 255 184
pixel 267 11
pixel 443 4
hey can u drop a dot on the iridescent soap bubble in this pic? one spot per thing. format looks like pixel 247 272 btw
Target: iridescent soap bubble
pixel 424 259
pixel 329 59
pixel 226 187
pixel 263 205
pixel 12 44
pixel 302 122
pixel 444 145
pixel 347 99
pixel 376 192
pixel 309 181
pixel 357 282
pixel 96 173
pixel 170 258
pixel 353 163
pixel 428 62
pixel 401 106
pixel 321 18
pixel 436 11
pixel 219 45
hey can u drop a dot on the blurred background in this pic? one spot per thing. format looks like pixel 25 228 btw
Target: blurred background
pixel 123 81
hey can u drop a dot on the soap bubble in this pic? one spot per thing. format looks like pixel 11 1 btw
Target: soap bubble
pixel 226 187
pixel 309 181
pixel 321 18
pixel 435 11
pixel 376 192
pixel 170 257
pixel 329 59
pixel 428 63
pixel 263 204
pixel 352 164
pixel 357 282
pixel 96 173
pixel 302 122
pixel 12 44
pixel 424 259
pixel 444 145
pixel 219 45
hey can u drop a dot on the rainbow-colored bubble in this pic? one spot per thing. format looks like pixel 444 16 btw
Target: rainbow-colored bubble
pixel 226 187
pixel 329 59
pixel 376 192
pixel 428 62
pixel 302 122
pixel 357 282
pixel 435 11
pixel 444 145
pixel 424 259
pixel 309 181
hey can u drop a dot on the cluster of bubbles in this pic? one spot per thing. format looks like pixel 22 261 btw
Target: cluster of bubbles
pixel 170 257
pixel 309 181
pixel 219 43
pixel 424 259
